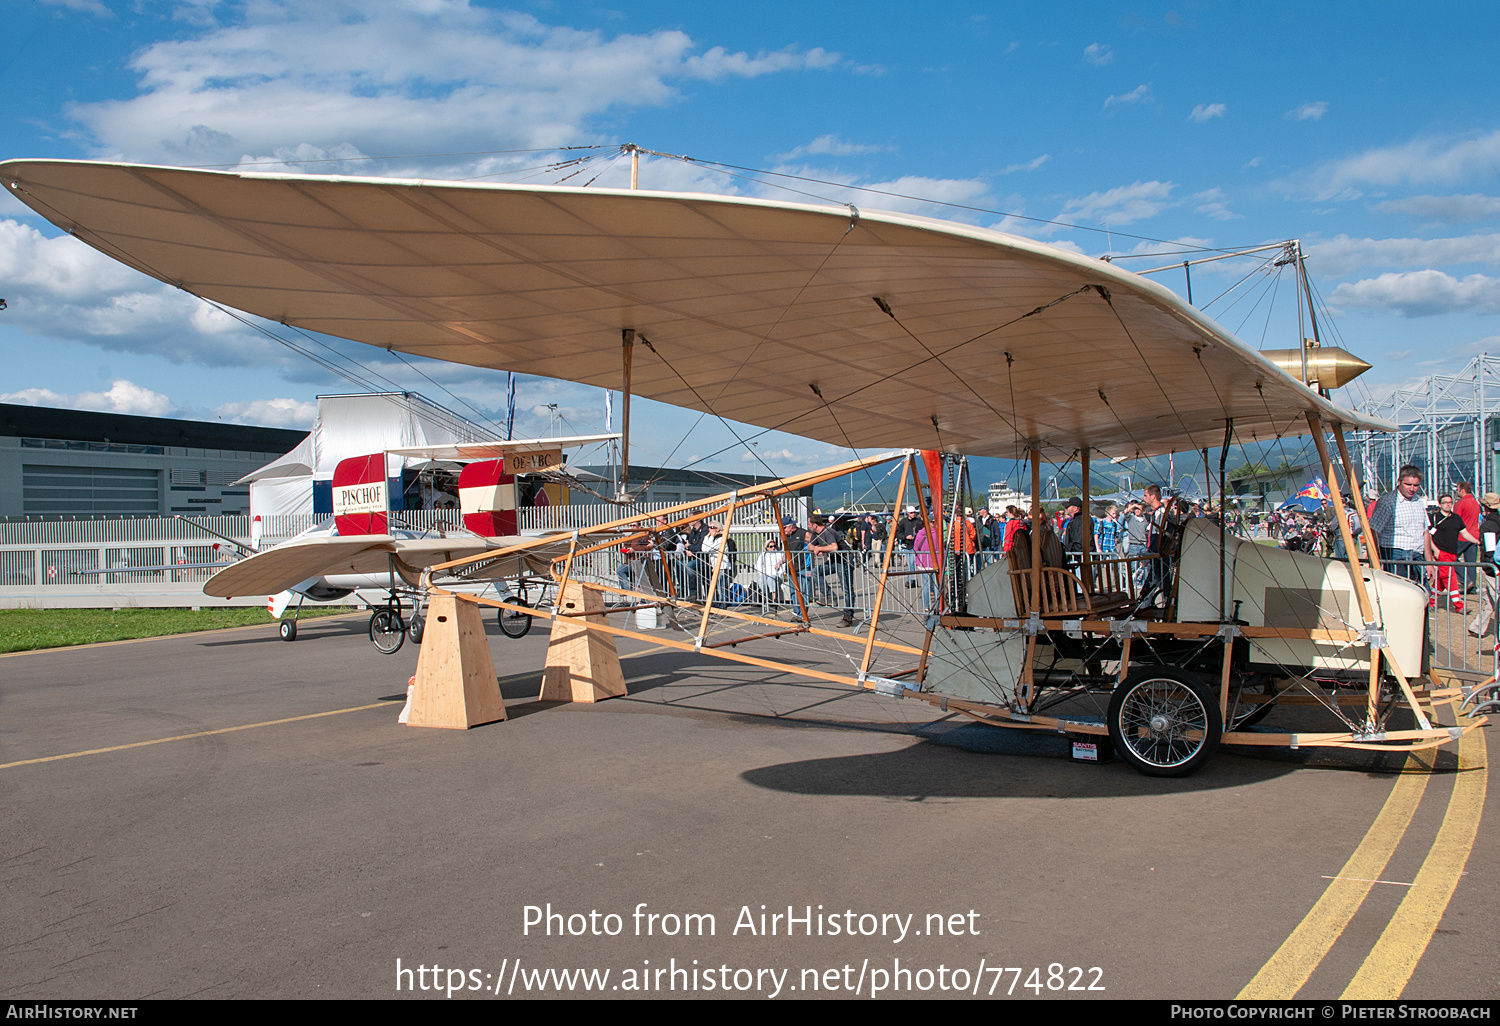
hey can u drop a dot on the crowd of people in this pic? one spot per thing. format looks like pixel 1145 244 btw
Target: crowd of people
pixel 819 559
pixel 1450 548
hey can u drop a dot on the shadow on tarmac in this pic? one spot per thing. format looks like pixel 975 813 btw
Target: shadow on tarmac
pixel 925 771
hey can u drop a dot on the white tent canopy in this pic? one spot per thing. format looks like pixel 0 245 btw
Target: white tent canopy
pixel 354 425
pixel 297 463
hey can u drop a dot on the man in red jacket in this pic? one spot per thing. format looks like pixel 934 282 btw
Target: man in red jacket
pixel 1468 510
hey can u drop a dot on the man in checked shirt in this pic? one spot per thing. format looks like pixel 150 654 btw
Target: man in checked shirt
pixel 1399 523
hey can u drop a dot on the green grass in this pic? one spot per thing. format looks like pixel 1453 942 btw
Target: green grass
pixel 25 629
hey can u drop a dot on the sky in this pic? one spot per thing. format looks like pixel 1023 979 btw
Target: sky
pixel 1368 131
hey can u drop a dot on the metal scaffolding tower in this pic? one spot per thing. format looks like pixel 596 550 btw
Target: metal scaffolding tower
pixel 1449 426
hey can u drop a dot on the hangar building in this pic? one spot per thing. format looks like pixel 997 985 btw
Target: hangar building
pixel 61 464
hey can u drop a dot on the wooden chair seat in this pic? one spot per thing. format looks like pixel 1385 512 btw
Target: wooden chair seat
pixel 1063 591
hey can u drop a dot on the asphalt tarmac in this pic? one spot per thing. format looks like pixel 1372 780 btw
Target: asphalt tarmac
pixel 305 854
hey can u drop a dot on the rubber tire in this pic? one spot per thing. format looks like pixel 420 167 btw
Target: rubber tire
pixel 1188 696
pixel 288 630
pixel 414 629
pixel 513 625
pixel 387 631
pixel 1257 714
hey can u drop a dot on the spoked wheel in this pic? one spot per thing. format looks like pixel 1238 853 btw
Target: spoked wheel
pixel 513 624
pixel 1164 721
pixel 288 630
pixel 387 631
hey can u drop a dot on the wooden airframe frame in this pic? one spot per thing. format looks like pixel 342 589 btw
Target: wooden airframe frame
pixel 1372 734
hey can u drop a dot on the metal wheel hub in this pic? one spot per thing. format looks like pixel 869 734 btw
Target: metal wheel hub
pixel 1163 722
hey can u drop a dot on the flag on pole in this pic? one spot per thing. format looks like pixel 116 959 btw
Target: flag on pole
pixel 510 405
pixel 1317 488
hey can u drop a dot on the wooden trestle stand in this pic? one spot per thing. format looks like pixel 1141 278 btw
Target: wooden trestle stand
pixel 582 665
pixel 456 685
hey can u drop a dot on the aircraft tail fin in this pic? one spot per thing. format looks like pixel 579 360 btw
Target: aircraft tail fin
pixel 487 498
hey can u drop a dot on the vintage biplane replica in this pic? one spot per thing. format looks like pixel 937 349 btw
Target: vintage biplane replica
pixel 866 330
pixel 367 547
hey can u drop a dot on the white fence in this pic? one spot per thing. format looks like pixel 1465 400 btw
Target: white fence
pixel 170 550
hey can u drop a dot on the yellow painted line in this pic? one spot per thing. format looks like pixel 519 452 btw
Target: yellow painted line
pixel 1301 953
pixel 251 726
pixel 201 733
pixel 268 723
pixel 1388 969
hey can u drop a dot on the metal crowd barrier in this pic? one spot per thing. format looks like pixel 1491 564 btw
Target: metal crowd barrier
pixel 1453 620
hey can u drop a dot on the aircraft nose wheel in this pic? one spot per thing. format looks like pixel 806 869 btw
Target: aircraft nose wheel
pixel 513 624
pixel 387 631
pixel 414 629
pixel 1164 721
pixel 288 630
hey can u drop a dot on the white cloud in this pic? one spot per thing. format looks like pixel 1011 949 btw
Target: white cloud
pixel 785 456
pixel 61 289
pixel 912 194
pixel 1140 94
pixel 1343 255
pixel 1211 203
pixel 1421 293
pixel 833 146
pixel 1309 111
pixel 1447 209
pixel 1174 246
pixel 348 79
pixel 86 6
pixel 123 397
pixel 1069 245
pixel 719 63
pixel 1030 165
pixel 282 413
pixel 1431 161
pixel 1207 111
pixel 1120 206
pixel 1098 54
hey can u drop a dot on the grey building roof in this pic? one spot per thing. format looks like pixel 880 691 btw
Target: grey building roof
pixel 88 426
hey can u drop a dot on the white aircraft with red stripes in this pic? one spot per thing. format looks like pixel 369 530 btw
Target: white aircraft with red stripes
pixel 365 547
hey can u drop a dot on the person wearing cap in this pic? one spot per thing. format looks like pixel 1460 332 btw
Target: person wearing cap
pixel 794 539
pixel 825 540
pixel 905 529
pixel 986 529
pixel 1489 585
pixel 1072 534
